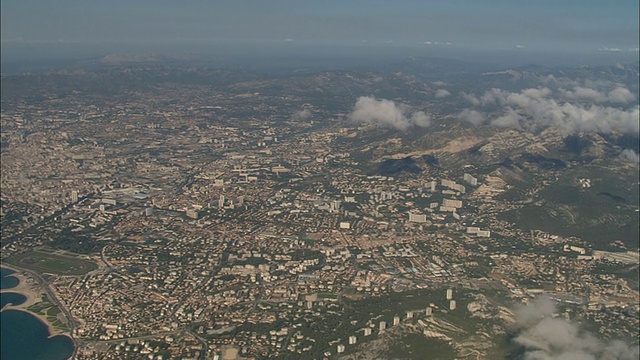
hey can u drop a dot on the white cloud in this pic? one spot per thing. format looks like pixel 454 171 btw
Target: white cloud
pixel 494 96
pixel 546 337
pixel 420 119
pixel 520 46
pixel 442 93
pixel 629 155
pixel 582 93
pixel 386 113
pixel 490 97
pixel 609 49
pixel 302 114
pixel 471 116
pixel 619 95
pixel 537 93
pixel 511 119
pixel 533 109
pixel 470 98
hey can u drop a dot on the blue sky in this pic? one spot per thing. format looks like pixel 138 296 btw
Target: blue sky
pixel 537 25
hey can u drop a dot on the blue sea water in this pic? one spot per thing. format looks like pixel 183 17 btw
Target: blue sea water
pixel 11 298
pixel 6 280
pixel 22 335
pixel 25 337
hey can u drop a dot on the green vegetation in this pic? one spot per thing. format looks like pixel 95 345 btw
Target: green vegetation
pixel 53 311
pixel 50 312
pixel 324 295
pixel 416 346
pixel 251 261
pixel 306 254
pixel 227 277
pixel 51 263
pixel 342 319
pixel 623 271
pixel 78 242
pixel 40 306
pixel 13 216
pixel 599 214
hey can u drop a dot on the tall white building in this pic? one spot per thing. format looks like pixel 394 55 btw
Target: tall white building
pixel 451 203
pixel 470 179
pixel 192 213
pixel 428 311
pixel 417 218
pixel 453 185
pixel 472 230
pixel 74 196
pixel 447 183
pixel 478 232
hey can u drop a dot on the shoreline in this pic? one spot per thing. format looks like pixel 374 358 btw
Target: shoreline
pixel 33 293
pixel 53 332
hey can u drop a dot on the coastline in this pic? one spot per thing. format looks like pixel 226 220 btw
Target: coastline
pixel 52 331
pixel 32 291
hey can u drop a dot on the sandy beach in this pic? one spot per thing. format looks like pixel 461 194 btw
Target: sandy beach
pixel 33 292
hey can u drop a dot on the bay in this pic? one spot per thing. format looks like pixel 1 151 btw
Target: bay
pixel 25 337
pixel 6 280
pixel 11 298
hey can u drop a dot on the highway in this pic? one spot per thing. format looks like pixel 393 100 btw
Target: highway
pixel 73 324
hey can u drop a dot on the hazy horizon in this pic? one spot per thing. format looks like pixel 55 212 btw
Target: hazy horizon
pixel 18 57
pixel 497 31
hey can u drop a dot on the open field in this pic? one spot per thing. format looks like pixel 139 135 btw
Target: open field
pixel 42 262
